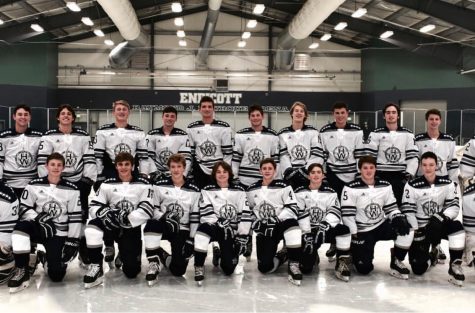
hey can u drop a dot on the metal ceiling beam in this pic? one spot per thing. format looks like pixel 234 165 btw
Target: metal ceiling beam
pixel 28 7
pixel 445 11
pixel 397 14
pixel 7 2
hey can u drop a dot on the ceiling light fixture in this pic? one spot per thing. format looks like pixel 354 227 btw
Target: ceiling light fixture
pixel 359 13
pixel 1 21
pixel 87 21
pixel 37 28
pixel 241 44
pixel 246 35
pixel 386 34
pixel 427 28
pixel 73 6
pixel 259 9
pixel 182 43
pixel 176 7
pixel 180 33
pixel 98 33
pixel 179 21
pixel 314 45
pixel 326 37
pixel 109 42
pixel 341 26
pixel 251 24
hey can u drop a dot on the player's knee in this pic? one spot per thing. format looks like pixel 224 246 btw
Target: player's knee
pixel 178 269
pixel 131 271
pixel 306 269
pixel 364 268
pixel 419 268
pixel 24 227
pixel 265 268
pixel 56 275
pixel 227 269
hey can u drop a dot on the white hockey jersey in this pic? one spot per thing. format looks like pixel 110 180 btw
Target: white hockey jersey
pixel 468 208
pixel 365 207
pixel 227 204
pixel 250 148
pixel 18 156
pixel 111 140
pixel 421 200
pixel 299 148
pixel 9 207
pixel 395 151
pixel 135 196
pixel 210 143
pixel 444 148
pixel 61 202
pixel 161 147
pixel 77 150
pixel 467 164
pixel 342 148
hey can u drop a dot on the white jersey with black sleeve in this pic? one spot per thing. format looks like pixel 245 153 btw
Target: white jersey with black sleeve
pixel 421 200
pixel 135 197
pixel 9 207
pixel 299 148
pixel 395 151
pixel 18 156
pixel 210 143
pixel 228 204
pixel 365 207
pixel 444 148
pixel 181 201
pixel 61 202
pixel 468 208
pixel 467 164
pixel 342 148
pixel 250 148
pixel 77 150
pixel 111 140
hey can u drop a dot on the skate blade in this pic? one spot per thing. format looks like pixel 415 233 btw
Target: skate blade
pixel 150 283
pixel 441 261
pixel 99 281
pixel 456 282
pixel 111 265
pixel 22 287
pixel 331 258
pixel 342 278
pixel 294 281
pixel 199 283
pixel 398 275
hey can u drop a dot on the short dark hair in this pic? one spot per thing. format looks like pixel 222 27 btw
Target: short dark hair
pixel 124 156
pixel 433 111
pixel 67 107
pixel 176 158
pixel 225 167
pixel 366 159
pixel 429 155
pixel 254 107
pixel 206 99
pixel 339 105
pixel 268 160
pixel 314 165
pixel 170 109
pixel 22 106
pixel 391 104
pixel 55 156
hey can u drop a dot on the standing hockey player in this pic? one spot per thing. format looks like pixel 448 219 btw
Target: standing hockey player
pixel 8 218
pixel 225 217
pixel 371 213
pixel 322 204
pixel 467 164
pixel 276 217
pixel 116 199
pixel 432 205
pixel 50 214
pixel 299 147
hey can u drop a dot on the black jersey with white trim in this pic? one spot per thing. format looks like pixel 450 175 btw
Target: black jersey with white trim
pixel 9 206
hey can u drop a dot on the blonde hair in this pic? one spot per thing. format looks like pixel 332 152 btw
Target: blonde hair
pixel 120 102
pixel 300 104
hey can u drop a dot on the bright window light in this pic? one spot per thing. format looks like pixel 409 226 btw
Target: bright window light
pixel 386 34
pixel 98 33
pixel 182 43
pixel 251 24
pixel 326 37
pixel 246 35
pixel 313 45
pixel 341 26
pixel 176 7
pixel 359 13
pixel 259 9
pixel 427 28
pixel 109 42
pixel 181 33
pixel 73 6
pixel 241 44
pixel 87 21
pixel 179 21
pixel 37 28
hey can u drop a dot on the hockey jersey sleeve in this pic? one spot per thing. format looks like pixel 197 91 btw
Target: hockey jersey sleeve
pixel 451 203
pixel 142 155
pixel 44 150
pixel 371 145
pixel 333 215
pixel 412 155
pixel 2 156
pixel 99 151
pixel 74 215
pixel 99 200
pixel 467 164
pixel 285 161
pixel 144 210
pixel 244 226
pixel 152 155
pixel 390 205
pixel 348 209
pixel 90 167
pixel 290 209
pixel 28 204
pixel 452 163
pixel 316 151
pixel 237 155
pixel 206 210
pixel 275 154
pixel 227 144
pixel 195 214
pixel 409 205
pixel 185 150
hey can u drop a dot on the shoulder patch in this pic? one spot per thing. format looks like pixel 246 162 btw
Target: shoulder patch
pixel 220 123
pixel 142 180
pixel 52 131
pixel 284 130
pixel 195 124
pixel 469 189
pixel 328 189
pixel 107 126
pixel 179 131
pixel 80 131
pixel 135 128
pixel 405 129
pixel 70 185
pixel 210 187
pixel 111 180
pixel 327 128
pixel 353 126
pixel 379 130
pixel 246 130
pixel 301 189
pixel 6 133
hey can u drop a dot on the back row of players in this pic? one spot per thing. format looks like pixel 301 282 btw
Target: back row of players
pixel 53 209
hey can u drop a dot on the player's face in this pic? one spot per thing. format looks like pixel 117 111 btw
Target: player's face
pixel 55 167
pixel 169 119
pixel 65 117
pixel 433 121
pixel 340 116
pixel 316 175
pixel 124 168
pixel 368 170
pixel 222 176
pixel 176 169
pixel 22 118
pixel 267 171
pixel 298 115
pixel 207 110
pixel 121 113
pixel 429 166
pixel 256 118
pixel 391 115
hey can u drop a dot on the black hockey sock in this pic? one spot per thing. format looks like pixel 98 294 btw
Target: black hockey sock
pixel 95 255
pixel 200 258
pixel 294 254
pixel 454 255
pixel 342 252
pixel 400 253
pixel 21 259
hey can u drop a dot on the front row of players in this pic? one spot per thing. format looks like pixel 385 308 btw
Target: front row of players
pixel 174 209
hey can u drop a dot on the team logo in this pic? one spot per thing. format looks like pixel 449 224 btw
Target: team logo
pixel 266 210
pixel 175 210
pixel 430 207
pixel 53 208
pixel 341 153
pixel 373 211
pixel 124 205
pixel 70 158
pixel 228 212
pixel 23 159
pixel 392 154
pixel 164 155
pixel 299 152
pixel 316 215
pixel 440 163
pixel 122 147
pixel 255 156
pixel 208 148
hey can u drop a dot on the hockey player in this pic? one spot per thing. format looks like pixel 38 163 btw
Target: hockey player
pixel 322 204
pixel 210 140
pixel 371 213
pixel 19 151
pixel 8 219
pixel 75 145
pixel 50 214
pixel 115 200
pixel 432 205
pixel 174 219
pixel 225 217
pixel 299 147
pixel 395 151
pixel 467 164
pixel 163 142
pixel 276 217
pixel 468 207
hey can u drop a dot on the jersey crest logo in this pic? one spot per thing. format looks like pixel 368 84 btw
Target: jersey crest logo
pixel 255 156
pixel 299 152
pixel 266 210
pixel 392 154
pixel 124 205
pixel 164 155
pixel 316 215
pixel 341 153
pixel 440 163
pixel 70 158
pixel 228 212
pixel 208 148
pixel 430 207
pixel 175 210
pixel 122 147
pixel 373 211
pixel 23 159
pixel 53 208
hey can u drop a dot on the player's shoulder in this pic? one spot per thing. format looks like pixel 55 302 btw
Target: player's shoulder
pixel 236 187
pixel 301 189
pixel 107 126
pixel 112 180
pixel 327 189
pixel 219 123
pixel 418 182
pixel 439 180
pixel 141 181
pixel 133 127
pixel 421 137
pixel 403 129
pixel 285 130
pixel 178 131
pixel 470 189
pixel 357 183
pixel 210 187
pixel 254 186
pixel 39 181
pixel 247 130
pixel 195 124
pixel 54 131
pixel 68 185
pixel 6 133
pixel 80 132
pixel 446 137
pixel 381 183
pixel 7 193
pixel 328 127
pixel 278 183
pixel 307 127
pixel 353 127
pixel 190 186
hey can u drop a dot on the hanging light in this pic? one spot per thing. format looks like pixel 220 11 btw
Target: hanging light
pixel 246 35
pixel 109 42
pixel 251 24
pixel 182 43
pixel 73 6
pixel 179 21
pixel 359 13
pixel 176 7
pixel 386 34
pixel 180 33
pixel 326 37
pixel 241 44
pixel 341 26
pixel 259 9
pixel 87 21
pixel 37 28
pixel 98 32
pixel 314 45
pixel 427 28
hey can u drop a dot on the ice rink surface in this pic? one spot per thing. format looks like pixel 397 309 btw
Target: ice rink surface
pixel 250 292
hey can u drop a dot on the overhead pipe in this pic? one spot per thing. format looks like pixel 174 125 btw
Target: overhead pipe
pixel 208 33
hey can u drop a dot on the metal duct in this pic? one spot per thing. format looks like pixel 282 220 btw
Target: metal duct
pixel 208 32
pixel 123 15
pixel 310 16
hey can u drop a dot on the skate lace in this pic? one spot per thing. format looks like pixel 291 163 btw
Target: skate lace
pixel 19 273
pixel 294 267
pixel 343 266
pixel 399 264
pixel 153 268
pixel 199 271
pixel 93 270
